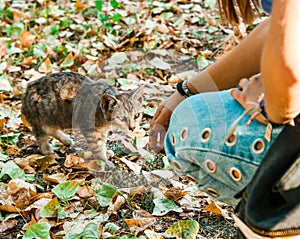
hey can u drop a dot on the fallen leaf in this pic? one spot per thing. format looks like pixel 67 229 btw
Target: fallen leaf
pixel 8 225
pixel 85 191
pixel 174 194
pixel 73 160
pixel 136 168
pixel 69 61
pixel 215 208
pixel 140 221
pixel 79 5
pixel 184 229
pixel 46 66
pixel 163 206
pixel 26 39
pixel 56 178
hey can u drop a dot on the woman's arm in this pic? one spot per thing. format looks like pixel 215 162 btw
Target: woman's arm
pixel 241 62
pixel 280 64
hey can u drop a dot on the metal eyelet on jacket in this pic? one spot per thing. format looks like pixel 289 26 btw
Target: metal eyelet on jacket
pixel 173 140
pixel 213 192
pixel 205 135
pixel 183 134
pixel 210 166
pixel 192 178
pixel 235 174
pixel 231 140
pixel 177 166
pixel 258 146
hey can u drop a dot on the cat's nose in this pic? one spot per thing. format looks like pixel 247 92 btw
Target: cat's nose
pixel 132 126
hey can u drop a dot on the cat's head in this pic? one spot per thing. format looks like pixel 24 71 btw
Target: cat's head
pixel 125 109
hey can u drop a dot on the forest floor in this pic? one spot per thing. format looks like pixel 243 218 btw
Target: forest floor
pixel 126 43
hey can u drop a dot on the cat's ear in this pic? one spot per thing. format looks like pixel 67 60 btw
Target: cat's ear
pixel 108 102
pixel 138 94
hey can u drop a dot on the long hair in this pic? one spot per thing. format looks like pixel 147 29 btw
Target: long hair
pixel 233 10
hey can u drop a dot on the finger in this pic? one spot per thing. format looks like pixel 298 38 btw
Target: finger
pixel 236 94
pixel 162 138
pixel 243 82
pixel 156 115
pixel 152 138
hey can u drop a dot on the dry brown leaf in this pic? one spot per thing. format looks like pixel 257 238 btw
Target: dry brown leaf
pixel 174 194
pixel 9 208
pixel 120 200
pixel 56 178
pixel 85 191
pixel 73 160
pixel 79 5
pixel 26 39
pixel 19 15
pixel 214 208
pixel 28 61
pixel 29 170
pixel 2 123
pixel 138 225
pixel 3 51
pixel 22 198
pixel 46 66
pixel 45 161
pixel 8 225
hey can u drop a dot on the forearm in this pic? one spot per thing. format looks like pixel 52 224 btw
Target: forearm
pixel 243 61
pixel 280 62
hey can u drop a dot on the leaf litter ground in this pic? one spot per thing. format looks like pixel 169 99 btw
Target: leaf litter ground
pixel 128 43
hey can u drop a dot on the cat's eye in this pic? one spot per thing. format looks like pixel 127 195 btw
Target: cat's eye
pixel 137 115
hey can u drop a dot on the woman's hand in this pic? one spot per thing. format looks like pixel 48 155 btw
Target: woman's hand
pixel 248 94
pixel 160 122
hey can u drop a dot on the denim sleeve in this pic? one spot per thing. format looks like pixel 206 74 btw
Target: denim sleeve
pixel 197 147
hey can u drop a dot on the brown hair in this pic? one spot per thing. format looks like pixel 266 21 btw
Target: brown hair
pixel 233 9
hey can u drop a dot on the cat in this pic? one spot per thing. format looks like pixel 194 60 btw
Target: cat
pixel 68 100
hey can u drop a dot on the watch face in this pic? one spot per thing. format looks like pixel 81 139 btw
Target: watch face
pixel 266 5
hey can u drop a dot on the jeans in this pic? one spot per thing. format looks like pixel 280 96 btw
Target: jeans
pixel 196 147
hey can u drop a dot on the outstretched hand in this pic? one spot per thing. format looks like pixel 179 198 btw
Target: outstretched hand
pixel 248 94
pixel 160 122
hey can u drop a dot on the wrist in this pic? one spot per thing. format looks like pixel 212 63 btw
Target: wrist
pixel 183 89
pixel 262 109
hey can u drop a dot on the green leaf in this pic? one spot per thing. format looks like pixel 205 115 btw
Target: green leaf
pixel 53 209
pixel 114 4
pixel 10 138
pixel 54 30
pixel 91 231
pixel 38 231
pixel 150 111
pixel 163 206
pixel 66 190
pixel 99 4
pixel 39 52
pixel 111 227
pixel 209 3
pixel 184 229
pixel 116 17
pixel 12 170
pixel 202 62
pixel 105 194
pixel 212 29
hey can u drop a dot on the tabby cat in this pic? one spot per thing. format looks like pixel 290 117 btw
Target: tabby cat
pixel 70 100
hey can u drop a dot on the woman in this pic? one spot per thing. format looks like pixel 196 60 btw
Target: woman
pixel 210 137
